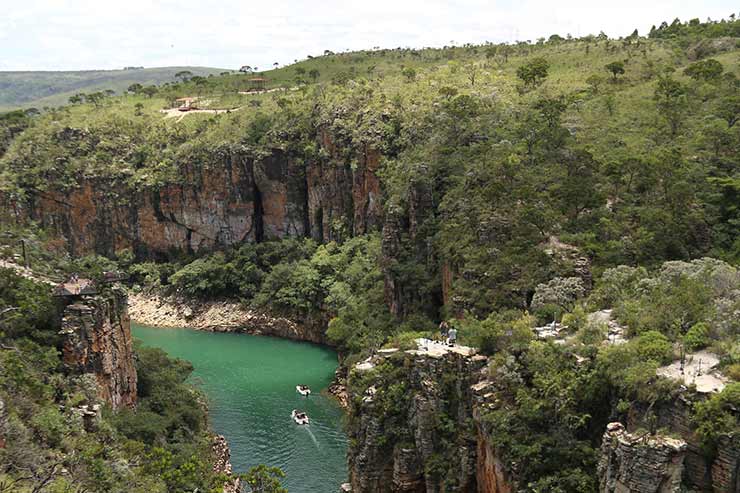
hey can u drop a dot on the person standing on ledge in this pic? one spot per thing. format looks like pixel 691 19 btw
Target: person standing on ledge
pixel 452 336
pixel 444 327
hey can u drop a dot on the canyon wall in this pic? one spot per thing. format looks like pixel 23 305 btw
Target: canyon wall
pixel 424 436
pixel 97 340
pixel 640 463
pixel 718 472
pixel 233 197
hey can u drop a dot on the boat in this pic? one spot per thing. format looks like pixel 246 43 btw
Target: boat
pixel 299 417
pixel 303 390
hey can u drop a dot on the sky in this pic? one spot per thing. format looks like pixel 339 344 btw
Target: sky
pixel 105 34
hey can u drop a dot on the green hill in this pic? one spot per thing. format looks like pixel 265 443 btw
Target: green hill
pixel 39 88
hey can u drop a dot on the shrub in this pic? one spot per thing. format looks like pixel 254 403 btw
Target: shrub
pixel 592 333
pixel 717 415
pixel 558 294
pixel 697 337
pixel 652 345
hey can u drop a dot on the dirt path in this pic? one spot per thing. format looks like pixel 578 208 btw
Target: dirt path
pixel 27 273
pixel 176 113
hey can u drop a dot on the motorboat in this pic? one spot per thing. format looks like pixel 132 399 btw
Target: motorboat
pixel 303 390
pixel 299 417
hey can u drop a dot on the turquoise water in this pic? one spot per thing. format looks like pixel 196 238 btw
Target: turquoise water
pixel 250 382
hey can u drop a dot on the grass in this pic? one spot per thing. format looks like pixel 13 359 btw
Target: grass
pixel 50 89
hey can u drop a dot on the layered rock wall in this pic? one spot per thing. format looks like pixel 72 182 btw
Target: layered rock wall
pixel 719 473
pixel 431 443
pixel 96 333
pixel 233 197
pixel 639 464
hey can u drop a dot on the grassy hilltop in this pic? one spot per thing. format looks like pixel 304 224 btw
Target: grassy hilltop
pixel 39 89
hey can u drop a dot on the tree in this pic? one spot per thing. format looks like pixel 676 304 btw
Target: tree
pixel 264 479
pixel 184 75
pixel 314 74
pixel 595 81
pixel 534 72
pixel 150 91
pixel 300 71
pixel 729 110
pixel 705 70
pixel 77 98
pixel 245 68
pixel 616 68
pixel 275 64
pixel 471 70
pixel 135 88
pixel 409 73
pixel 670 98
pixel 95 98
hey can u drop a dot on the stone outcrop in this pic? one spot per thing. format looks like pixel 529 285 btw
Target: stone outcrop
pixel 492 475
pixel 639 464
pixel 151 308
pixel 96 333
pixel 226 196
pixel 222 463
pixel 719 473
pixel 726 466
pixel 431 444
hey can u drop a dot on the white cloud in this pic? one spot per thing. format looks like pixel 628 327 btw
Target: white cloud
pixel 86 34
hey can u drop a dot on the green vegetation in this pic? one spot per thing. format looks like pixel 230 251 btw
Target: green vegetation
pixel 51 89
pixel 501 167
pixel 163 446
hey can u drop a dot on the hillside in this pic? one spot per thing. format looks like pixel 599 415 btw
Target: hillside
pixel 569 207
pixel 39 89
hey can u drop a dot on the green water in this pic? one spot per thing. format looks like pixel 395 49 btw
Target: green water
pixel 250 382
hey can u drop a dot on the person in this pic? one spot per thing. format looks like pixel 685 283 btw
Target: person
pixel 443 328
pixel 452 336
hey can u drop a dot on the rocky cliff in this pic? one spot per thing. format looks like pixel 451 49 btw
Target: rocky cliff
pixel 640 463
pixel 97 340
pixel 413 424
pixel 227 197
pixel 718 472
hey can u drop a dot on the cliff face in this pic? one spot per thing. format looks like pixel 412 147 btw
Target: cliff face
pixel 720 473
pixel 97 340
pixel 234 197
pixel 640 464
pixel 422 437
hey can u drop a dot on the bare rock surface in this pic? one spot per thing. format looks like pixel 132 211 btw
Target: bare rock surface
pixel 150 308
pixel 96 333
pixel 640 463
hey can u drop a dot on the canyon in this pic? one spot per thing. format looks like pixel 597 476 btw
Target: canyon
pixel 232 198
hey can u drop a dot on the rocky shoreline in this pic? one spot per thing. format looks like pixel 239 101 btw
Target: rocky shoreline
pixel 161 310
pixel 222 463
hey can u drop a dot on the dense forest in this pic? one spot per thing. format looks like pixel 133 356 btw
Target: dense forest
pixel 520 184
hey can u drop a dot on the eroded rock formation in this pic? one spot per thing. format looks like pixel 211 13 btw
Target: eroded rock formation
pixel 97 340
pixel 428 442
pixel 640 463
pixel 227 196
pixel 222 463
pixel 719 472
pixel 219 316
